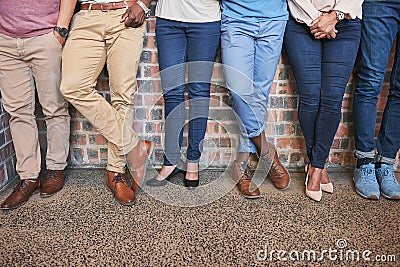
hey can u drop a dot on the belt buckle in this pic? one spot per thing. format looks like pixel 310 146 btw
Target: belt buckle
pixel 104 10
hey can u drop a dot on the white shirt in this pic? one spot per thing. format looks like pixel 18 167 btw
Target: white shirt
pixel 196 11
pixel 307 10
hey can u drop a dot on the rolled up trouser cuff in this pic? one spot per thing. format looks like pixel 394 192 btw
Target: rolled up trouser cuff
pixel 245 143
pixel 382 159
pixel 360 154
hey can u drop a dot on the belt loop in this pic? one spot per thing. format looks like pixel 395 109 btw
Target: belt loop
pixel 90 7
pixel 126 4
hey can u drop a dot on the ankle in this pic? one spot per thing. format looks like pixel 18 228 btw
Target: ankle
pixel 192 175
pixel 315 173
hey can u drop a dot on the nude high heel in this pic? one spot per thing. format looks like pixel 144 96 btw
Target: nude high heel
pixel 314 195
pixel 328 188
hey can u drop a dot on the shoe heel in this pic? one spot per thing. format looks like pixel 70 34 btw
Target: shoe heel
pixel 314 195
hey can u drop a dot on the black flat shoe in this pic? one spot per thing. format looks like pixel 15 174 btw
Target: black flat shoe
pixel 190 183
pixel 155 182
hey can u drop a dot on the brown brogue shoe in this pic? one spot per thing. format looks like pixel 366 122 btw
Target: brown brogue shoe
pixel 136 159
pixel 21 193
pixel 242 176
pixel 53 182
pixel 277 173
pixel 116 182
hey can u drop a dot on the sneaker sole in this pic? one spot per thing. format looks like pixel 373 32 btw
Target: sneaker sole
pixel 396 197
pixel 372 197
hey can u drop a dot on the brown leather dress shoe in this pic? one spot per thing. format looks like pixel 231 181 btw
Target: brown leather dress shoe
pixel 22 191
pixel 277 173
pixel 242 176
pixel 116 182
pixel 136 159
pixel 53 182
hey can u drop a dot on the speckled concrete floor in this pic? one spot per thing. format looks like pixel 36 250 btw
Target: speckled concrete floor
pixel 83 226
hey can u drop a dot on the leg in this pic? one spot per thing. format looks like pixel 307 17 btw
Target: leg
pixel 338 60
pixel 172 45
pixel 388 142
pixel 337 65
pixel 305 55
pixel 238 51
pixel 46 67
pixel 202 43
pixel 83 59
pixel 267 52
pixel 379 28
pixel 18 94
pixel 124 47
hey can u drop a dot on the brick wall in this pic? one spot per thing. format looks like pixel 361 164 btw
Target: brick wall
pixel 8 160
pixel 89 148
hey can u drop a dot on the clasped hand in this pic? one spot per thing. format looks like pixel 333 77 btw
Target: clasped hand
pixel 324 26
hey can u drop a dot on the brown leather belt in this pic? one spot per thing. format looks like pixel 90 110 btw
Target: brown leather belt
pixel 104 6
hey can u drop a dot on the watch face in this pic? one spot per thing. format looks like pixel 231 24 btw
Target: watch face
pixel 63 32
pixel 148 14
pixel 340 16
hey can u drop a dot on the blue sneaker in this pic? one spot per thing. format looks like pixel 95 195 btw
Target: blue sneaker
pixel 365 181
pixel 390 187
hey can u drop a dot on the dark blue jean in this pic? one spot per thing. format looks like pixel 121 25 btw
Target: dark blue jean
pixel 381 23
pixel 322 69
pixel 182 47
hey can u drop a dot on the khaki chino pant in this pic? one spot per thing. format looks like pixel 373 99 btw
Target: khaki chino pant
pixel 97 38
pixel 25 63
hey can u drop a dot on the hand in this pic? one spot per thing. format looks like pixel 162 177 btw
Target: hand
pixel 133 17
pixel 332 34
pixel 59 38
pixel 323 26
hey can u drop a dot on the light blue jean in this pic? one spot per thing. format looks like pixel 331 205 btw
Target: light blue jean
pixel 250 54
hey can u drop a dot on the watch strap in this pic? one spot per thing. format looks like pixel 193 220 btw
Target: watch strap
pixel 62 31
pixel 145 8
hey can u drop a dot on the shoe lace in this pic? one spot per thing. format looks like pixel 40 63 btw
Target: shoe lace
pixel 246 175
pixel 51 175
pixel 20 186
pixel 118 178
pixel 273 169
pixel 368 175
pixel 388 177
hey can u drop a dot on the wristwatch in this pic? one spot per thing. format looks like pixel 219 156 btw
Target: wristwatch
pixel 147 11
pixel 339 15
pixel 62 31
